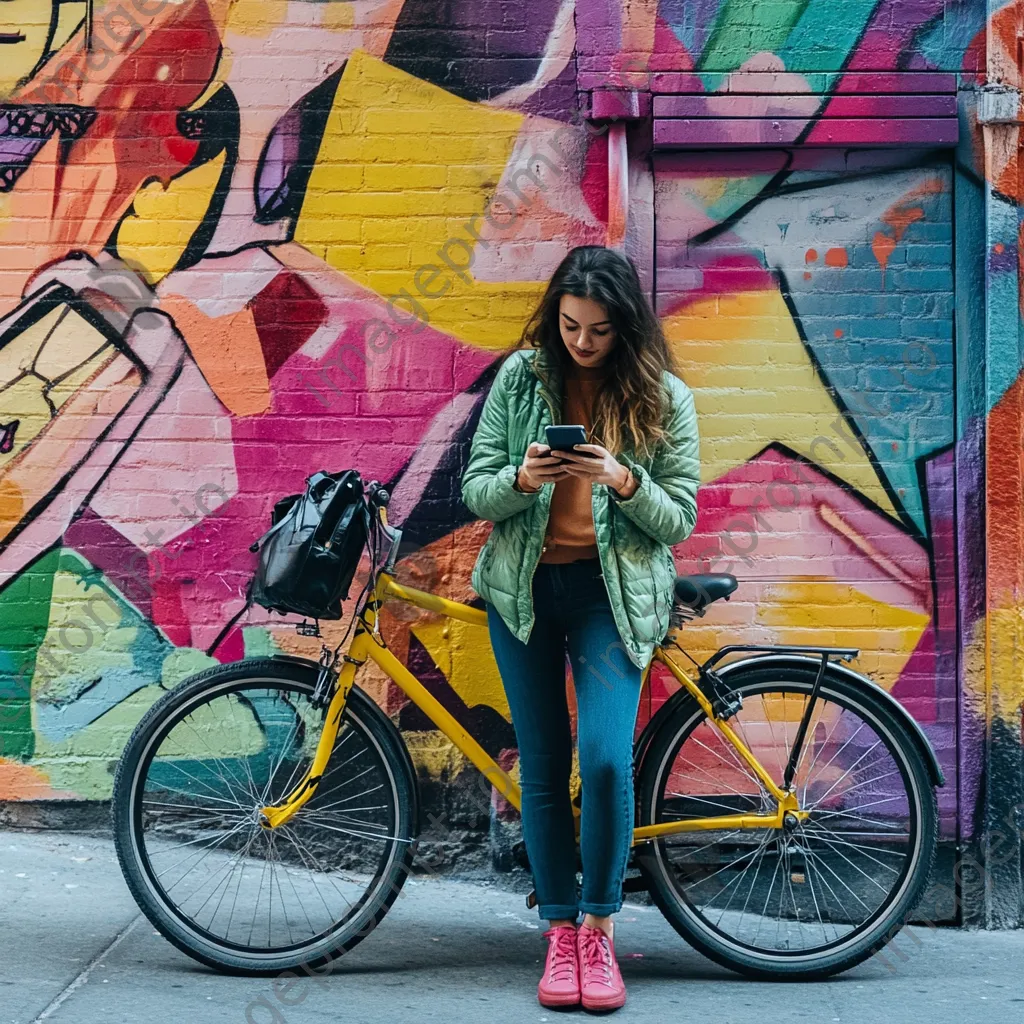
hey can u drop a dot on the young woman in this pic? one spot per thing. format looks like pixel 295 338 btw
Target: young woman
pixel 580 559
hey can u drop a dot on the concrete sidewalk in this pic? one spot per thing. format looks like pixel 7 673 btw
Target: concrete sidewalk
pixel 76 951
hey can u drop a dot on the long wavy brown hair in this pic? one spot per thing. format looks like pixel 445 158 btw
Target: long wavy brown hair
pixel 630 407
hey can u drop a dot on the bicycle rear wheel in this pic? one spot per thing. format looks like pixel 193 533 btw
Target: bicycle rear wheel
pixel 817 899
pixel 187 793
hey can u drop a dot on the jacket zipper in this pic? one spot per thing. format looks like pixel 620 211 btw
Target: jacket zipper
pixel 611 517
pixel 554 420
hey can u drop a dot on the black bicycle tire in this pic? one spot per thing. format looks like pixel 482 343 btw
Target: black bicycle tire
pixel 791 968
pixel 361 709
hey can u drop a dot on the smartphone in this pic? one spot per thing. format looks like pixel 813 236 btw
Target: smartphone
pixel 561 438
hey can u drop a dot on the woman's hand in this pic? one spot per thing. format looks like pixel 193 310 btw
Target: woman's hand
pixel 600 467
pixel 540 467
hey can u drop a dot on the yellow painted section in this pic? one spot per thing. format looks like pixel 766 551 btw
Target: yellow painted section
pixel 436 754
pixel 153 238
pixel 70 15
pixel 60 346
pixel 463 653
pixel 403 168
pixel 754 384
pixel 993 681
pixel 257 18
pixel 27 24
pixel 839 615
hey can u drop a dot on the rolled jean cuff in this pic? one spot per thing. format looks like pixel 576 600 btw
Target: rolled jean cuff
pixel 558 911
pixel 600 909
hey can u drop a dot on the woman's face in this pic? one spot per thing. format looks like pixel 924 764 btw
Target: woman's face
pixel 586 330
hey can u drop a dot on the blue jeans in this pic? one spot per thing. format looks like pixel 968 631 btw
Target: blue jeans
pixel 572 610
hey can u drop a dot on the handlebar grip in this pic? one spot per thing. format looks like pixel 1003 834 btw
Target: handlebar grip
pixel 377 495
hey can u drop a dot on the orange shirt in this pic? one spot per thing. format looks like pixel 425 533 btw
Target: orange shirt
pixel 570 534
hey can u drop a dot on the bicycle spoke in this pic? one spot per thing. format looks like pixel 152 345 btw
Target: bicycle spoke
pixel 327 874
pixel 706 846
pixel 814 760
pixel 723 868
pixel 817 906
pixel 205 853
pixel 701 799
pixel 860 871
pixel 859 785
pixel 218 868
pixel 739 878
pixel 767 900
pixel 850 813
pixel 355 832
pixel 829 879
pixel 771 729
pixel 824 881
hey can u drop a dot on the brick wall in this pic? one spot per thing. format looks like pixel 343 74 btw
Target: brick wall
pixel 294 236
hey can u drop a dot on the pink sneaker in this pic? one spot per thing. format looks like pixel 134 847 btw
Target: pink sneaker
pixel 560 985
pixel 601 986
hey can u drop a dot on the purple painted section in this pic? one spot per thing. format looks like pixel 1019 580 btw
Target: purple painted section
pixel 731 105
pixel 18 148
pixel 598 30
pixel 27 122
pixel 726 132
pixel 281 153
pixel 891 32
pixel 557 100
pixel 784 131
pixel 125 565
pixel 868 83
pixel 897 82
pixel 676 81
pixel 690 20
pixel 620 104
pixel 475 49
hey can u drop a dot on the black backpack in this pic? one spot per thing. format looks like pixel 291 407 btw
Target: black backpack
pixel 311 552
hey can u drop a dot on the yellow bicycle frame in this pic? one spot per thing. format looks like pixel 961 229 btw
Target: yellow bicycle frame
pixel 366 644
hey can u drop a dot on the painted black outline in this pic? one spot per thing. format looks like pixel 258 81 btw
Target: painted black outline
pixel 844 411
pixel 53 295
pixel 314 111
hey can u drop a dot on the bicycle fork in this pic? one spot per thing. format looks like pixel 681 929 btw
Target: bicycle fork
pixel 275 815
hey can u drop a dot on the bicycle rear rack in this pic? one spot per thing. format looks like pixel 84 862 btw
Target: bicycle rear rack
pixel 842 653
pixel 725 702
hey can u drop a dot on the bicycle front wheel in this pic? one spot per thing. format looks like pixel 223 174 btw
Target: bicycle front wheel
pixel 802 903
pixel 187 794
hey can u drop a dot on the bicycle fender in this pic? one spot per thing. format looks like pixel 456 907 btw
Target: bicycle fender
pixel 798 661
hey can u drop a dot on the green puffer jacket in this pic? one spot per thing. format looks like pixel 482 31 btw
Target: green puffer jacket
pixel 634 537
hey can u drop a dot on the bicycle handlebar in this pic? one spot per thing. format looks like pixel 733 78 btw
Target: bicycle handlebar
pixel 377 495
pixel 378 498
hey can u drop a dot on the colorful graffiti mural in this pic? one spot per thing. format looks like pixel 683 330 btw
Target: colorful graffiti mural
pixel 242 242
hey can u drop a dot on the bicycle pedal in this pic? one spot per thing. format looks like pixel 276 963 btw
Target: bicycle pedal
pixel 531 900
